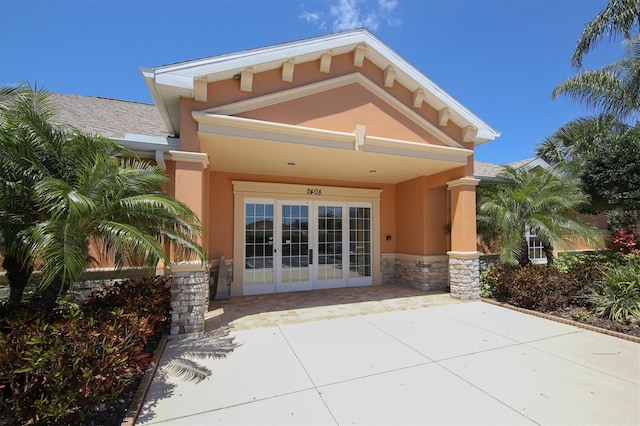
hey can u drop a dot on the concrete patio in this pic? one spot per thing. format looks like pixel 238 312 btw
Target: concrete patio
pixel 417 358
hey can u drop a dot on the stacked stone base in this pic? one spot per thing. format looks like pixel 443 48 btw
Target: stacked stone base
pixel 464 276
pixel 422 272
pixel 189 299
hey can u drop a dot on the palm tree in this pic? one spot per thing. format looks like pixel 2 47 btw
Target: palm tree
pixel 570 143
pixel 25 134
pixel 542 201
pixel 62 190
pixel 619 17
pixel 613 89
pixel 116 204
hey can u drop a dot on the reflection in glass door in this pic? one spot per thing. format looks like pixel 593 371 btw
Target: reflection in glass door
pixel 329 271
pixel 258 245
pixel 360 255
pixel 294 255
pixel 304 245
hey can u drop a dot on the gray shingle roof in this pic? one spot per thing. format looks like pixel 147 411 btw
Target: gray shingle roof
pixel 485 170
pixel 521 163
pixel 110 118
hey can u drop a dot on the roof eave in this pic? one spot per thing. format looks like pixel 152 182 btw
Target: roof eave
pixel 181 77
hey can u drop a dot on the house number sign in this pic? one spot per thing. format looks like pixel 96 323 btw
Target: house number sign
pixel 314 191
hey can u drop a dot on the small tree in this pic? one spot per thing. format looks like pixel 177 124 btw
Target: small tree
pixel 540 200
pixel 62 189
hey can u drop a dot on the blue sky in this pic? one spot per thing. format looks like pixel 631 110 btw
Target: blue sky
pixel 499 58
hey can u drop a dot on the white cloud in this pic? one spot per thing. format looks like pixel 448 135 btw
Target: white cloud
pixel 351 14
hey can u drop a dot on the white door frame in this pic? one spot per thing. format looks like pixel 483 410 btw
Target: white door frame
pixel 278 194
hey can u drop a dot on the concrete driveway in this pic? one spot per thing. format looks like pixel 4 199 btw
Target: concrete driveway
pixel 463 363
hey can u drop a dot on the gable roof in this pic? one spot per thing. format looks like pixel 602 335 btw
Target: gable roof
pixel 106 117
pixel 491 170
pixel 169 83
pixel 486 170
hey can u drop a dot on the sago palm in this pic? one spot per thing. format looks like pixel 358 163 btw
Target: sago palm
pixel 539 200
pixel 62 189
pixel 116 204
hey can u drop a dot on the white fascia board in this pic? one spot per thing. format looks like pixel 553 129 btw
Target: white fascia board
pixel 537 162
pixel 416 150
pixel 300 135
pixel 146 143
pixel 279 52
pixel 432 88
pixel 264 130
pixel 149 79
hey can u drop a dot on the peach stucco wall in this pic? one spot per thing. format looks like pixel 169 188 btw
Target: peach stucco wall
pixel 220 231
pixel 227 91
pixel 342 109
pixel 421 217
pixel 415 213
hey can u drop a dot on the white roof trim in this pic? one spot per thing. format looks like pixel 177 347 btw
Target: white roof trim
pixel 265 130
pixel 181 76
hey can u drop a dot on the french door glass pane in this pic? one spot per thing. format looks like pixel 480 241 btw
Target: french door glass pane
pixel 359 242
pixel 295 243
pixel 329 242
pixel 258 243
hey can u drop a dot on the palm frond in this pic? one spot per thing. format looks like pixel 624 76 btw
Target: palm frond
pixel 618 18
pixel 215 345
pixel 187 369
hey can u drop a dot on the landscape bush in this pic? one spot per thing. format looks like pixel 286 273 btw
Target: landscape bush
pixel 540 287
pixel 587 285
pixel 55 367
pixel 625 240
pixel 617 295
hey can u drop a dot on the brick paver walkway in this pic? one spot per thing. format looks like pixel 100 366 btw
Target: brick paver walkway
pixel 287 308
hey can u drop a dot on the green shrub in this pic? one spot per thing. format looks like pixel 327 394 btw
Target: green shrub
pixel 57 366
pixel 581 279
pixel 617 296
pixel 566 260
pixel 538 287
pixel 494 280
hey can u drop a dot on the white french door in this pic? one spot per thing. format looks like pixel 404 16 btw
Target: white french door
pixel 304 245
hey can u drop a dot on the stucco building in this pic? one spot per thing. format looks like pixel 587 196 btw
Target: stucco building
pixel 320 163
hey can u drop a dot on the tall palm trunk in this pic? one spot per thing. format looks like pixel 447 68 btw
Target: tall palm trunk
pixel 53 291
pixel 524 257
pixel 548 252
pixel 18 276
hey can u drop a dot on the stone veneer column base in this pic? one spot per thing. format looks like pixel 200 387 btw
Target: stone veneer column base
pixel 189 298
pixel 464 275
pixel 422 272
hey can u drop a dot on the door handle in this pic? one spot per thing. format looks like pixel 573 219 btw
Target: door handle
pixel 310 251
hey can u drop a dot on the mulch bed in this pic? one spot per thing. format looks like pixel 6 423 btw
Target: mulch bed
pixel 124 410
pixel 582 318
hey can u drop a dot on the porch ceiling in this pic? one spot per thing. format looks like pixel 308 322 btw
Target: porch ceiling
pixel 284 150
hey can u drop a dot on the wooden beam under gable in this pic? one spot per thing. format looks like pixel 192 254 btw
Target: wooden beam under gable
pixel 389 76
pixel 246 80
pixel 418 97
pixel 358 55
pixel 200 89
pixel 287 71
pixel 325 62
pixel 443 116
pixel 469 134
